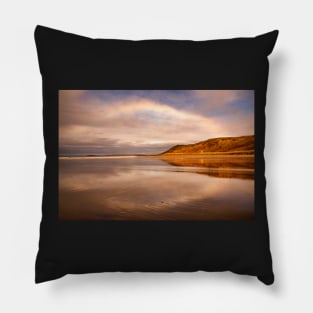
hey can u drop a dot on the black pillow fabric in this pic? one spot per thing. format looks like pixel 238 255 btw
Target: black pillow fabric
pixel 154 155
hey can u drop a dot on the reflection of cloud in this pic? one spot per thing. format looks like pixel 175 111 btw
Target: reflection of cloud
pixel 147 189
pixel 133 124
pixel 154 184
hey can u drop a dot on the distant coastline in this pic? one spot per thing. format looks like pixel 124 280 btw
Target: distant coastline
pixel 226 146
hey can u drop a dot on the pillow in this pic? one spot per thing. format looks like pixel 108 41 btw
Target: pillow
pixel 154 155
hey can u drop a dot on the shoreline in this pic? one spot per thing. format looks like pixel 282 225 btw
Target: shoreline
pixel 161 156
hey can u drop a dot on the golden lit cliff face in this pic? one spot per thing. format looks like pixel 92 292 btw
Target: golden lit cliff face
pixel 243 144
pixel 143 121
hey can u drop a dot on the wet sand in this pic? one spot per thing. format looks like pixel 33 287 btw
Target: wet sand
pixel 189 187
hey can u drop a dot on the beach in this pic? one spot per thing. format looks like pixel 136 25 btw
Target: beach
pixel 156 188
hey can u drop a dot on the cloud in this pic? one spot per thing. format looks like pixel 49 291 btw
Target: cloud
pixel 139 124
pixel 221 102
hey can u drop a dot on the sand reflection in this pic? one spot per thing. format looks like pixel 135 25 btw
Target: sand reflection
pixel 141 188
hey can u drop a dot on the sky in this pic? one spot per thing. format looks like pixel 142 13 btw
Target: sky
pixel 149 121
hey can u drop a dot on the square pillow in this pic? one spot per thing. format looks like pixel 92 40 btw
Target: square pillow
pixel 154 155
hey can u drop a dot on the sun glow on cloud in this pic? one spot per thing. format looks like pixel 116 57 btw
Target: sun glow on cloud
pixel 125 122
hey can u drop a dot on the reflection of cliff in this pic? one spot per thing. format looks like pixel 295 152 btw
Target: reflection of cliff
pixel 228 166
pixel 223 145
pixel 230 174
pixel 226 162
